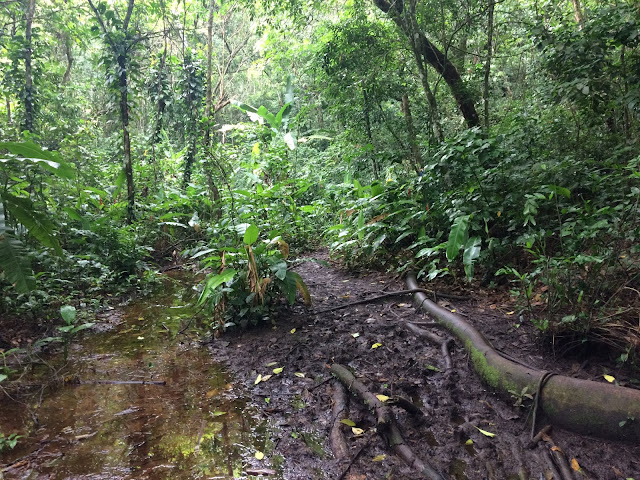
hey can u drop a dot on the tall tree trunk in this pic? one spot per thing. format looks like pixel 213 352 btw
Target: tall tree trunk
pixel 577 11
pixel 209 99
pixel 126 140
pixel 8 103
pixel 367 125
pixel 28 76
pixel 416 159
pixel 487 65
pixel 68 52
pixel 434 115
pixel 408 23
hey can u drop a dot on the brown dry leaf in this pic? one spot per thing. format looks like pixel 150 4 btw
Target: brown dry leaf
pixel 211 393
pixel 493 306
pixel 556 448
pixel 617 472
pixel 377 218
pixel 353 476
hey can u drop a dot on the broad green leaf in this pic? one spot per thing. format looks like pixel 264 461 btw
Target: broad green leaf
pixel 471 253
pixel 268 116
pixel 348 422
pixel 68 313
pixel 457 236
pixel 214 282
pixel 251 235
pixel 3 377
pixel 45 159
pixel 290 140
pixel 300 286
pixel 37 223
pixel 13 259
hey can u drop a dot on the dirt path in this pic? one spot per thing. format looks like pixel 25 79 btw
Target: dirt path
pixel 456 405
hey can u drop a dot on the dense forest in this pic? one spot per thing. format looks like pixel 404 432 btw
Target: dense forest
pixel 474 142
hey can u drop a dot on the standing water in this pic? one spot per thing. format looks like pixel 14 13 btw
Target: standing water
pixel 102 422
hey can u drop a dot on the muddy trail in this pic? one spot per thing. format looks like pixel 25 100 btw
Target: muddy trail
pixel 460 427
pixel 139 399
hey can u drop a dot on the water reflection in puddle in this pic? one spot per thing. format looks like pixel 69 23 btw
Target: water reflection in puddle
pixel 192 427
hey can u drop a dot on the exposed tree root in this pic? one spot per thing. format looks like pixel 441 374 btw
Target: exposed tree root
pixel 435 339
pixel 583 406
pixel 338 443
pixel 386 424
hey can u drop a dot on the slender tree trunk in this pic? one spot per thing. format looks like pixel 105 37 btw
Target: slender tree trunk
pixel 68 51
pixel 407 22
pixel 8 104
pixel 434 115
pixel 577 11
pixel 487 65
pixel 126 140
pixel 28 84
pixel 209 99
pixel 367 124
pixel 416 159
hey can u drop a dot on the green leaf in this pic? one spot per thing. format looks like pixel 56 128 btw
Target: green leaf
pixel 13 259
pixel 457 236
pixel 471 253
pixel 214 282
pixel 290 140
pixel 68 313
pixel 39 226
pixel 47 160
pixel 293 282
pixel 251 234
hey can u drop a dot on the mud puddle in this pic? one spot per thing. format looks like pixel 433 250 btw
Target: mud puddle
pixel 193 426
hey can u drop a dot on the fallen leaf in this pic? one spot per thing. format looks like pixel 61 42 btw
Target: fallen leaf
pixel 258 379
pixel 575 465
pixel 346 421
pixel 293 330
pixel 556 448
pixel 493 306
pixel 609 378
pixel 266 377
pixel 278 370
pixel 259 455
pixel 355 335
pixel 218 413
pixel 378 458
pixel 485 433
pixel 211 393
pixel 401 304
pixel 345 281
pixel 357 431
pixel 271 364
pixel 510 313
pixel 376 345
pixel 140 338
pixel 299 375
pixel 382 398
pixel 469 442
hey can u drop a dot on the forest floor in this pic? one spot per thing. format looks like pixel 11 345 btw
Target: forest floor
pixel 456 405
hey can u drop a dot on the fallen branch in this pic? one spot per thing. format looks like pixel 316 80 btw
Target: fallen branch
pixel 435 339
pixel 386 424
pixel 77 381
pixel 583 406
pixel 338 443
pixel 390 294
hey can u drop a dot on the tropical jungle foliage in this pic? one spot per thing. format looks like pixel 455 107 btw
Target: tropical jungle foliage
pixel 472 140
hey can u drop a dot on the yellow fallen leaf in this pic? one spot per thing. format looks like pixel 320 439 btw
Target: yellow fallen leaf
pixel 293 330
pixel 259 455
pixel 211 393
pixel 510 313
pixel 378 458
pixel 346 421
pixel 299 375
pixel 469 442
pixel 278 370
pixel 345 281
pixel 376 345
pixel 271 364
pixel 609 378
pixel 355 335
pixel 357 431
pixel 266 377
pixel 401 304
pixel 258 379
pixel 575 465
pixel 382 398
pixel 453 310
pixel 218 413
pixel 485 433
pixel 499 213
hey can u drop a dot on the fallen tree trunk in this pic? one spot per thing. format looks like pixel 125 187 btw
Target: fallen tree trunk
pixel 586 407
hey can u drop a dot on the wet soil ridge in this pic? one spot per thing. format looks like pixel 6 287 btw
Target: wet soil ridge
pixel 586 407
